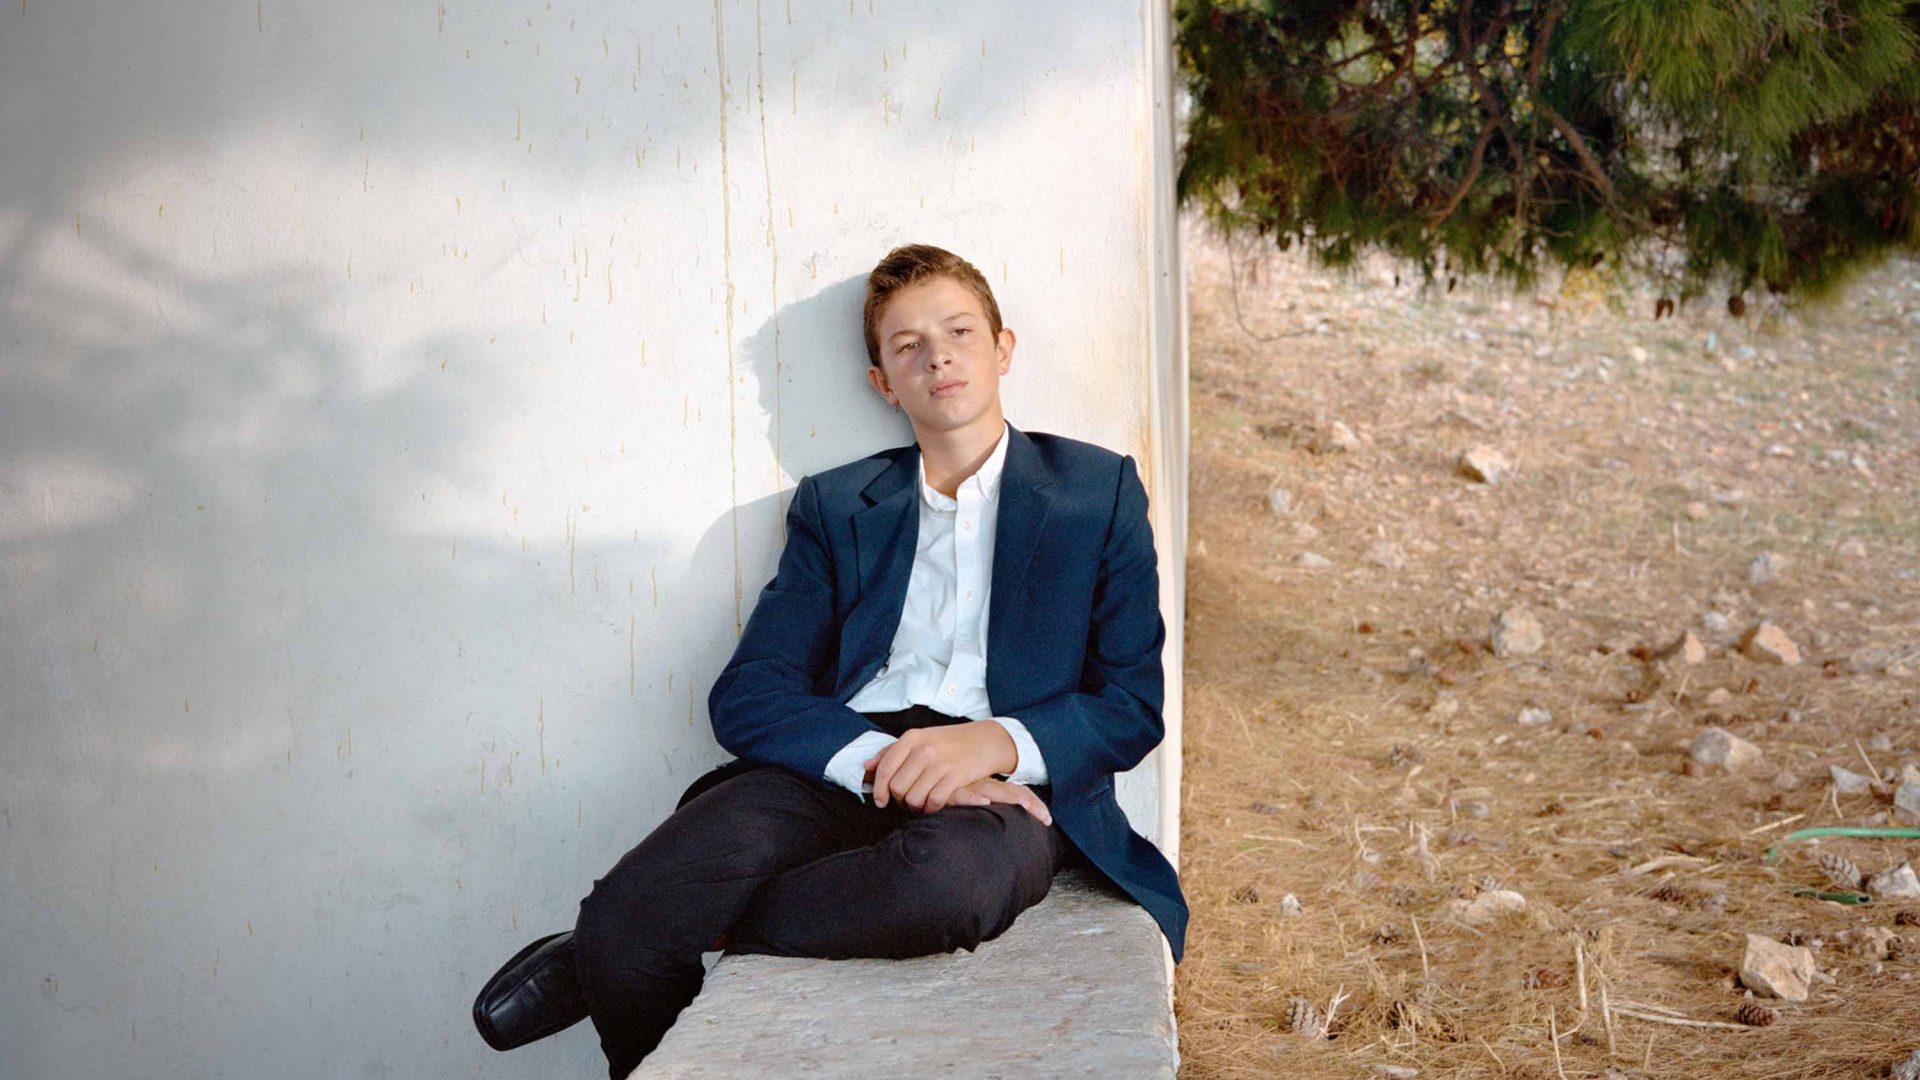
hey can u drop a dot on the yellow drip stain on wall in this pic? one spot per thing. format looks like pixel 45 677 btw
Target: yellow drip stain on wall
pixel 936 103
pixel 653 576
pixel 516 137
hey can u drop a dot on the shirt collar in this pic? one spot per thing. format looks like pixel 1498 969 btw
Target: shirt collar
pixel 985 479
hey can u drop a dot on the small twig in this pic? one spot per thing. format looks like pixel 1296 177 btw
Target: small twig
pixel 1275 839
pixel 1661 862
pixel 1490 1053
pixel 1680 1021
pixel 1428 863
pixel 1553 1035
pixel 1872 769
pixel 1426 973
pixel 1333 1007
pixel 1606 1012
pixel 1775 825
pixel 1580 975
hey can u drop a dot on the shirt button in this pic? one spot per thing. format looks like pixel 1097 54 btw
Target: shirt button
pixel 969 594
pixel 967 525
pixel 949 691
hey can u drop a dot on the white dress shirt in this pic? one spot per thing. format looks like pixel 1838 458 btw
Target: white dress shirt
pixel 939 653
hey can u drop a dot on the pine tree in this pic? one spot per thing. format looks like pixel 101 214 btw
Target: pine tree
pixel 1710 144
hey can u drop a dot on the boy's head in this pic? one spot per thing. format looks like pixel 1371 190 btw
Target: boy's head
pixel 935 344
pixel 910 264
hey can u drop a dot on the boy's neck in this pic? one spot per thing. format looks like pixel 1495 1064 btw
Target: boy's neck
pixel 951 457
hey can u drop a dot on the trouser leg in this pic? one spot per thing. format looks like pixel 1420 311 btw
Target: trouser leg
pixel 934 883
pixel 642 929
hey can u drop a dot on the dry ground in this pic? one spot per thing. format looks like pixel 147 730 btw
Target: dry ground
pixel 1337 716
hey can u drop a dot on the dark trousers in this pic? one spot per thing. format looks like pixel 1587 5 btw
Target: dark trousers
pixel 790 865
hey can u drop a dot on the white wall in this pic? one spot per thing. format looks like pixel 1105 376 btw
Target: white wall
pixel 397 405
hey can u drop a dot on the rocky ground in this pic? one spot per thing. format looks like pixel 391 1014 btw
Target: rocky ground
pixel 1520 627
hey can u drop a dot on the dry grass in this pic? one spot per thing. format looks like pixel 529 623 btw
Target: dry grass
pixel 1336 716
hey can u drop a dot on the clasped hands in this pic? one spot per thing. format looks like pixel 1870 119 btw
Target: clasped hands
pixel 931 768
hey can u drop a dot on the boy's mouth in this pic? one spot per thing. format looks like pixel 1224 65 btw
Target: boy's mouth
pixel 947 389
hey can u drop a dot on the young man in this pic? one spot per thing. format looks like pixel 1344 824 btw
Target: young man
pixel 966 628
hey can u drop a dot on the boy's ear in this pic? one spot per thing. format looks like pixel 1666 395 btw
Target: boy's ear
pixel 1005 349
pixel 879 380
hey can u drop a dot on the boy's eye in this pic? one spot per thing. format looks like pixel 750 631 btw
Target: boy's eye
pixel 961 329
pixel 906 346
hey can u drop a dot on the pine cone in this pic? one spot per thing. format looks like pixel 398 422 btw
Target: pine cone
pixel 1673 892
pixel 1544 977
pixel 1304 1019
pixel 1388 934
pixel 1840 870
pixel 1754 1014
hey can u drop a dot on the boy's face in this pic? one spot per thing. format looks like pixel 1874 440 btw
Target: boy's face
pixel 939 358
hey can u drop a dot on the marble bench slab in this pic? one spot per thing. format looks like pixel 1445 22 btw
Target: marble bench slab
pixel 1080 985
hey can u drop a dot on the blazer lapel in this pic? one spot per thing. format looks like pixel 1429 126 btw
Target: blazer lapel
pixel 1024 504
pixel 885 534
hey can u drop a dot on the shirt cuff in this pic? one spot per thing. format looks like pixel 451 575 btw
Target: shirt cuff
pixel 1030 768
pixel 847 768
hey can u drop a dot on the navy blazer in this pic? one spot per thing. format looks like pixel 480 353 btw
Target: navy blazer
pixel 1073 635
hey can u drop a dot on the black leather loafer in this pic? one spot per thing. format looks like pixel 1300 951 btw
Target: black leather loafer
pixel 535 995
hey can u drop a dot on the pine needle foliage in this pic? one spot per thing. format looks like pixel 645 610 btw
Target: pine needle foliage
pixel 1708 144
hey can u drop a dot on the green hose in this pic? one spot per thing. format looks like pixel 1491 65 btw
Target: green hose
pixel 1842 830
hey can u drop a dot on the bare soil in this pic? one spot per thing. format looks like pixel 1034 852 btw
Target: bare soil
pixel 1353 741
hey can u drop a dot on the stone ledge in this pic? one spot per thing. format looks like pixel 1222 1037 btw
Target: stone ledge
pixel 1079 985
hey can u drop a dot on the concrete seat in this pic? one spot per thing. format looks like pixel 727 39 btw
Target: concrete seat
pixel 1080 985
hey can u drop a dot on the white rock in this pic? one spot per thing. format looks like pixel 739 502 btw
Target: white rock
pixel 1336 439
pixel 1898 883
pixel 1691 650
pixel 1280 500
pixel 1768 642
pixel 1909 1067
pixel 1312 561
pixel 1716 623
pixel 1776 970
pixel 1765 568
pixel 1491 906
pixel 1906 801
pixel 1387 555
pixel 1722 749
pixel 1483 464
pixel 1849 782
pixel 1533 716
pixel 1290 905
pixel 1516 632
pixel 1719 695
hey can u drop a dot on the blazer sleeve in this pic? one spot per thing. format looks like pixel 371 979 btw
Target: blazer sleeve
pixel 1113 721
pixel 765 706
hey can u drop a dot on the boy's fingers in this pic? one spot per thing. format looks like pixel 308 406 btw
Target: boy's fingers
pixel 887 762
pixel 922 786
